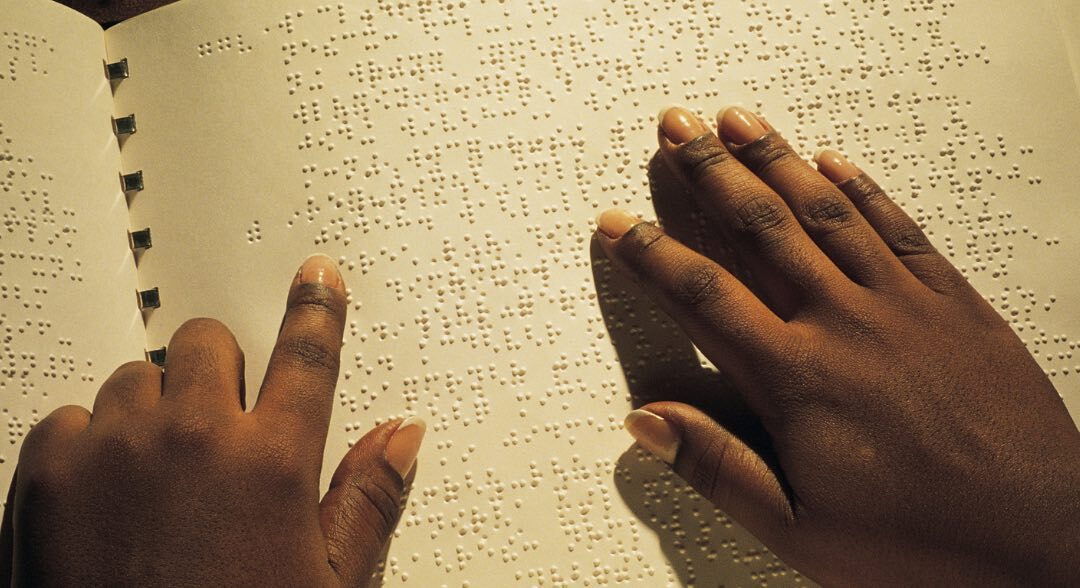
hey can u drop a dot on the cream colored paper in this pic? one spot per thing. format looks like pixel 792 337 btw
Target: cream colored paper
pixel 1068 17
pixel 456 176
pixel 452 158
pixel 67 279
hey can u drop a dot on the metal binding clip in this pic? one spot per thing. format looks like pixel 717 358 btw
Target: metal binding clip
pixel 117 70
pixel 125 125
pixel 149 299
pixel 156 356
pixel 140 239
pixel 132 182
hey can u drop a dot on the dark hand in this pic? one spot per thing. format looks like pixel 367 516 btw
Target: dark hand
pixel 912 435
pixel 169 481
pixel 113 11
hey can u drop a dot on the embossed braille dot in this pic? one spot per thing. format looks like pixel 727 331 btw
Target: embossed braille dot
pixel 451 155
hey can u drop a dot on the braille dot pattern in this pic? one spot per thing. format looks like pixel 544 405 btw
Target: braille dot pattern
pixel 451 155
pixel 64 262
pixel 40 235
pixel 23 54
pixel 490 149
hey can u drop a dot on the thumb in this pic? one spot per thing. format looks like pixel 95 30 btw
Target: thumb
pixel 362 506
pixel 718 464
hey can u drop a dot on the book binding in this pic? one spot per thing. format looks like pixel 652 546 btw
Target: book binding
pixel 139 240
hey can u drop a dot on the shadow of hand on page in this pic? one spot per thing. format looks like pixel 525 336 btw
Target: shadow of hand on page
pixel 660 363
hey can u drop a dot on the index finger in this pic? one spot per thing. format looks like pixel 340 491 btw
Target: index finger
pixel 749 212
pixel 730 325
pixel 298 389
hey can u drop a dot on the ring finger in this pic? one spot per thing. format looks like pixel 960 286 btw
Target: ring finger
pixel 824 212
pixel 204 365
pixel 751 215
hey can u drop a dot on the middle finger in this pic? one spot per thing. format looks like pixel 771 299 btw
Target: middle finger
pixel 826 214
pixel 751 214
pixel 204 366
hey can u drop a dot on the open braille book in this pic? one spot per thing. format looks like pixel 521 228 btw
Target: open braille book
pixel 451 155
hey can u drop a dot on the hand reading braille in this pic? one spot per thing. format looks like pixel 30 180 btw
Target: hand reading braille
pixel 170 482
pixel 912 437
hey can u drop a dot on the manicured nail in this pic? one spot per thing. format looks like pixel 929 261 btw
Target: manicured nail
pixel 739 126
pixel 319 269
pixel 405 444
pixel 680 125
pixel 615 223
pixel 653 433
pixel 834 166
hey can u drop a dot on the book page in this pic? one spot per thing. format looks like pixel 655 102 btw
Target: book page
pixel 452 157
pixel 1068 17
pixel 68 312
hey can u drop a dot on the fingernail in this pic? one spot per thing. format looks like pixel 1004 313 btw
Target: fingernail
pixel 405 444
pixel 653 433
pixel 319 269
pixel 739 126
pixel 680 125
pixel 615 223
pixel 834 166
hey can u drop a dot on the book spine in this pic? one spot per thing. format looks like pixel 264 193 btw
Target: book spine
pixel 132 183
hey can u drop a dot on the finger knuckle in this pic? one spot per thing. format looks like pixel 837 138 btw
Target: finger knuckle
pixel 314 298
pixel 137 371
pixel 191 431
pixel 310 354
pixel 910 241
pixel 63 418
pixel 865 193
pixel 201 327
pixel 702 157
pixel 706 474
pixel 130 377
pixel 936 272
pixel 759 214
pixel 641 241
pixel 798 347
pixel 708 162
pixel 376 490
pixel 69 414
pixel 202 363
pixel 122 449
pixel 700 285
pixel 828 211
pixel 206 342
pixel 766 153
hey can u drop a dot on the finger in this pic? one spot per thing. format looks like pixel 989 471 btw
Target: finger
pixel 824 212
pixel 719 465
pixel 204 366
pixel 298 389
pixel 718 312
pixel 49 437
pixel 898 231
pixel 684 220
pixel 362 506
pixel 749 212
pixel 132 388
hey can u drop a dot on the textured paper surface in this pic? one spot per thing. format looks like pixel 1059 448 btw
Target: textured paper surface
pixel 67 279
pixel 1068 16
pixel 453 156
